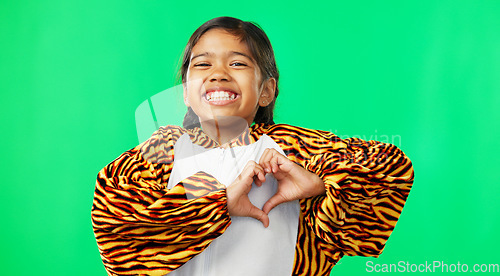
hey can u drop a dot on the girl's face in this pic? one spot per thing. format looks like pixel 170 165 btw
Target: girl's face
pixel 223 79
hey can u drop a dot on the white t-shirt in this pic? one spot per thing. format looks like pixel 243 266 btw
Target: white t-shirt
pixel 246 247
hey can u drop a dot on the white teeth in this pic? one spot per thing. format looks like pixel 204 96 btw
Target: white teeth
pixel 220 96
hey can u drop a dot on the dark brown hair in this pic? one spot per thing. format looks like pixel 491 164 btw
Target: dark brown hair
pixel 260 48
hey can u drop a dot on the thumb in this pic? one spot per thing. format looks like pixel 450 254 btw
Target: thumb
pixel 274 201
pixel 258 214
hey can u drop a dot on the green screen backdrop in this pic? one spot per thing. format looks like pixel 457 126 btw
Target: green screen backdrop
pixel 424 75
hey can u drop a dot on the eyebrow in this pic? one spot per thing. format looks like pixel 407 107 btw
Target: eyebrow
pixel 232 53
pixel 201 55
pixel 241 54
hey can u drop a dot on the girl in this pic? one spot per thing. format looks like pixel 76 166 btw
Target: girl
pixel 233 193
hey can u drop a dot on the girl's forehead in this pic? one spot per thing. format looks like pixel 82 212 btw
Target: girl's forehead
pixel 220 41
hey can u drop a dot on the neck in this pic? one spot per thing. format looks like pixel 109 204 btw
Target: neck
pixel 225 129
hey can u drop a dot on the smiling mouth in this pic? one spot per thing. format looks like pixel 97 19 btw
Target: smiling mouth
pixel 221 97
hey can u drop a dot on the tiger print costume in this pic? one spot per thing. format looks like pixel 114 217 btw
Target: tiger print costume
pixel 142 228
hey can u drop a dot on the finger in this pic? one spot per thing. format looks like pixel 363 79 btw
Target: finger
pixel 260 215
pixel 264 160
pixel 274 201
pixel 250 170
pixel 257 181
pixel 259 175
pixel 275 163
pixel 271 159
pixel 249 166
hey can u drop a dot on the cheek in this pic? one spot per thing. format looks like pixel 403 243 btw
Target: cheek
pixel 193 86
pixel 250 81
pixel 257 82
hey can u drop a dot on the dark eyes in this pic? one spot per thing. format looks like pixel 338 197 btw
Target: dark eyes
pixel 238 64
pixel 201 65
pixel 206 64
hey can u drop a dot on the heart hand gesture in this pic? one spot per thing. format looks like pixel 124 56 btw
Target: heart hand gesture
pixel 294 182
pixel 238 203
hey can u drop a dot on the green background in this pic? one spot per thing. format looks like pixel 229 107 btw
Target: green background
pixel 428 72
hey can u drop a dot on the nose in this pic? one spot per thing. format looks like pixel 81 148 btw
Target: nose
pixel 219 73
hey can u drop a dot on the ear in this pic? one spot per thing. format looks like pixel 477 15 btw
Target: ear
pixel 268 91
pixel 184 93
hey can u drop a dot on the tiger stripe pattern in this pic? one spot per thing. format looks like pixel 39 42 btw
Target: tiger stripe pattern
pixel 142 228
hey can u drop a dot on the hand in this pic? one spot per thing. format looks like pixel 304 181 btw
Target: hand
pixel 238 203
pixel 294 182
